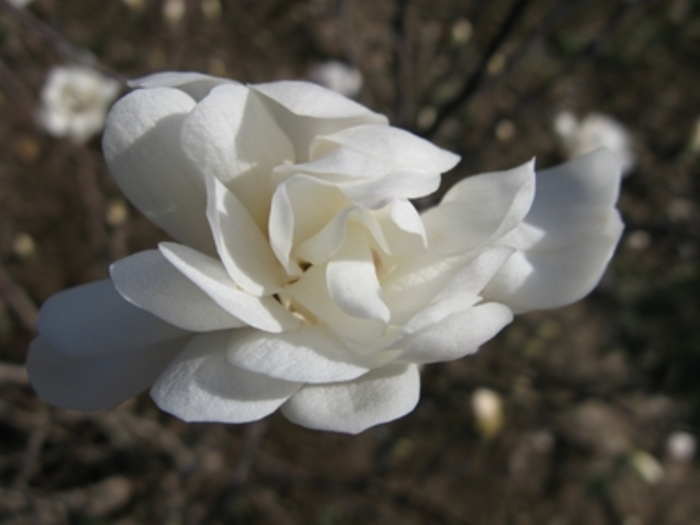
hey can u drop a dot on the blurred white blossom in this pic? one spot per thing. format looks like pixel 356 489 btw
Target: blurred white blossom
pixel 681 447
pixel 74 102
pixel 595 131
pixel 488 411
pixel 337 76
pixel 301 277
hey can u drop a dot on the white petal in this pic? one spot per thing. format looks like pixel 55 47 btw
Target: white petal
pixel 392 145
pixel 403 229
pixel 382 395
pixel 304 111
pixel 573 199
pixel 142 148
pixel 231 136
pixel 301 207
pixel 243 248
pixel 480 209
pixel 567 239
pixel 367 181
pixel 150 282
pixel 94 320
pixel 309 354
pixel 455 335
pixel 352 278
pixel 196 85
pixel 99 381
pixel 311 291
pixel 552 277
pixel 201 385
pixel 264 313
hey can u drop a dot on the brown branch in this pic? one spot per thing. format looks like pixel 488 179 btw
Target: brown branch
pixel 18 300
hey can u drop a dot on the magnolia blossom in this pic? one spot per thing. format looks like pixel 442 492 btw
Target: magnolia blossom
pixel 595 131
pixel 74 102
pixel 301 277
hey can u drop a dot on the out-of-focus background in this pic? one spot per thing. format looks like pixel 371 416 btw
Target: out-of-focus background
pixel 584 415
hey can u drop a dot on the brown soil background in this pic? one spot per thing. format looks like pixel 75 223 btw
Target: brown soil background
pixel 585 388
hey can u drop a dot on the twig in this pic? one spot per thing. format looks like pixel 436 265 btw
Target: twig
pixel 18 300
pixel 474 82
pixel 253 437
pixel 403 68
pixel 16 90
pixel 92 198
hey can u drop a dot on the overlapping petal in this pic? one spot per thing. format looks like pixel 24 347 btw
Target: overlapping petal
pixel 201 385
pixel 480 209
pixel 209 274
pixel 152 283
pixel 567 239
pixel 309 354
pixel 382 395
pixel 231 136
pixel 305 111
pixel 196 85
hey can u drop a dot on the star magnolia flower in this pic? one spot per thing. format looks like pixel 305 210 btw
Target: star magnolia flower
pixel 301 277
pixel 74 102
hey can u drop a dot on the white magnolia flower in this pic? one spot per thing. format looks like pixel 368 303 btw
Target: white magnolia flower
pixel 301 277
pixel 337 76
pixel 595 131
pixel 74 102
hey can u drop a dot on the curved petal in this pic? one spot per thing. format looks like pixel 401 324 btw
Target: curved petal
pixel 94 320
pixel 549 278
pixel 196 85
pixel 242 247
pixel 309 354
pixel 150 282
pixel 141 145
pixel 455 335
pixel 231 136
pixel 201 385
pixel 301 207
pixel 264 313
pixel 378 192
pixel 415 286
pixel 304 110
pixel 382 395
pixel 480 209
pixel 401 149
pixel 311 291
pixel 352 280
pixel 567 239
pixel 98 381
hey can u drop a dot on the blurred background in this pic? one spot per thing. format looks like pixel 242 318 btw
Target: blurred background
pixel 584 415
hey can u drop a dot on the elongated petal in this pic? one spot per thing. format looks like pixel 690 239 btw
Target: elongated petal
pixel 304 111
pixel 201 385
pixel 394 146
pixel 196 85
pixel 382 395
pixel 264 313
pixel 242 247
pixel 352 278
pixel 309 354
pixel 456 335
pixel 94 320
pixel 152 283
pixel 142 147
pixel 480 209
pixel 231 136
pixel 549 278
pixel 567 239
pixel 378 192
pixel 98 381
